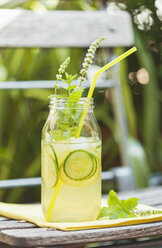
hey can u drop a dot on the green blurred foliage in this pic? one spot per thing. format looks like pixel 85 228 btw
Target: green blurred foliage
pixel 23 112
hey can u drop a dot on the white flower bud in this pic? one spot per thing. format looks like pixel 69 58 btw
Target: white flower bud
pixel 90 55
pixel 97 43
pixel 94 45
pixel 81 79
pixel 85 65
pixel 58 76
pixel 90 50
pixel 88 60
pixel 83 71
pixel 61 71
pixel 94 48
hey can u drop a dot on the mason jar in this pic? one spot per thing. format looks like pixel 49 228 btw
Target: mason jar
pixel 71 161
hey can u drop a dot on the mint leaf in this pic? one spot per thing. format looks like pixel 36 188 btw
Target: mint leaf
pixel 130 203
pixel 118 209
pixel 65 126
pixel 113 200
pixel 108 213
pixel 57 135
pixel 76 93
pixel 60 135
pixel 69 78
pixel 71 87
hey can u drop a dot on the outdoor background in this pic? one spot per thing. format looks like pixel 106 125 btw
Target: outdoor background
pixel 23 112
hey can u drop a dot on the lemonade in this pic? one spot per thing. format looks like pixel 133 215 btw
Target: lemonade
pixel 77 163
pixel 71 150
pixel 71 147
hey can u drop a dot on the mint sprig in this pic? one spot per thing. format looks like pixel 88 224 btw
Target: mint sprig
pixel 118 209
pixel 61 70
pixel 124 209
pixel 74 92
pixel 66 128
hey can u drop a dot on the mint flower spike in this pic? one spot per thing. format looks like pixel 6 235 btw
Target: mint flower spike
pixel 88 59
pixel 61 70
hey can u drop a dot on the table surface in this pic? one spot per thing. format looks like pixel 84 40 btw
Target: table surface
pixel 15 233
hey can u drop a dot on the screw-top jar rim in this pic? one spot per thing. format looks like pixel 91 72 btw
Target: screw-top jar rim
pixel 60 102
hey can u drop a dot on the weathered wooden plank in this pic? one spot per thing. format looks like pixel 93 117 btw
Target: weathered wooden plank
pixel 145 192
pixel 142 193
pixel 2 245
pixel 154 202
pixel 25 28
pixel 43 236
pixel 3 218
pixel 14 224
pixel 135 244
pixel 148 196
pixel 157 206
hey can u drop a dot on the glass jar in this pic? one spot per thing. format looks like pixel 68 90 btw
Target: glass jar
pixel 71 165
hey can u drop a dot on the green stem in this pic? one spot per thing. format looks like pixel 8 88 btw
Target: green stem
pixel 56 85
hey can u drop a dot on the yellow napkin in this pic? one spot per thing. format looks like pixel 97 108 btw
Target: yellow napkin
pixel 33 213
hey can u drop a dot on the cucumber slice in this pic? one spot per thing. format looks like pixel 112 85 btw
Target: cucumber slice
pixel 78 165
pixel 49 165
pixel 95 166
pixel 56 160
pixel 81 177
pixel 48 148
pixel 50 170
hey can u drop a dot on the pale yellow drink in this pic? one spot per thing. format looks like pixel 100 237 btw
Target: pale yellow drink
pixel 78 199
pixel 71 168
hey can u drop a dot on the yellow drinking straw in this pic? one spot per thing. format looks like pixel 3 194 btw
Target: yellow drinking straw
pixel 90 93
pixel 81 122
pixel 52 203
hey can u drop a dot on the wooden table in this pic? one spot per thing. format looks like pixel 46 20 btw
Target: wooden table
pixel 23 234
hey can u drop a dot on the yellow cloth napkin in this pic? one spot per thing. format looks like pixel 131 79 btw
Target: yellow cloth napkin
pixel 33 213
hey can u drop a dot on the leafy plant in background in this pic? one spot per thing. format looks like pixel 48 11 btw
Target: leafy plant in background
pixel 20 154
pixel 148 41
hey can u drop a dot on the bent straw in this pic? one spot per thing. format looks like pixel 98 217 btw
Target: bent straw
pixel 81 122
pixel 90 93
